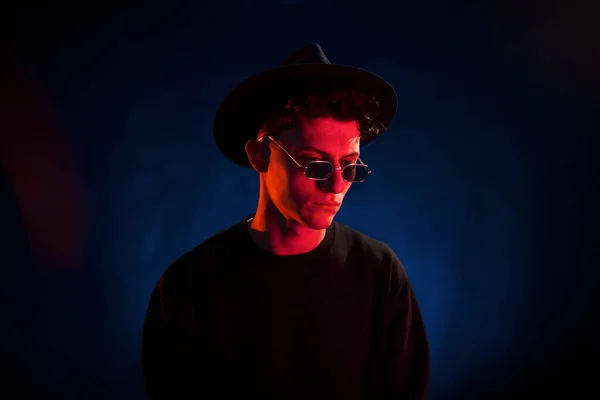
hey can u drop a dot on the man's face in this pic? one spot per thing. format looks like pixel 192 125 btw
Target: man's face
pixel 306 201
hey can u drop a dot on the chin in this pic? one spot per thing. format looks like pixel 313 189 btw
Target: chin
pixel 318 221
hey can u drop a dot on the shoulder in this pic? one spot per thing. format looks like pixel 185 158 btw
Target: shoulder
pixel 373 251
pixel 187 271
pixel 380 260
pixel 358 242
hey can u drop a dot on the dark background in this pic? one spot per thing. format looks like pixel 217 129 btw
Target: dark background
pixel 483 186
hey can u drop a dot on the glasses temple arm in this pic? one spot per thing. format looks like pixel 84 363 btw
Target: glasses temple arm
pixel 286 152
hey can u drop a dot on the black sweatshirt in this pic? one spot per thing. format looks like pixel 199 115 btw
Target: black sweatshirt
pixel 339 322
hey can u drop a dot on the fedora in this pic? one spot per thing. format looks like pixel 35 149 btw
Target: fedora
pixel 244 110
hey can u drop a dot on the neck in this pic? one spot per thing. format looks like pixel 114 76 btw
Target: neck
pixel 280 235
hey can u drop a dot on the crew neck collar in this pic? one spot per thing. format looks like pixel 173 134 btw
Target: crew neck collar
pixel 322 248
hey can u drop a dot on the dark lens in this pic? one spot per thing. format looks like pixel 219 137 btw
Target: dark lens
pixel 355 173
pixel 318 170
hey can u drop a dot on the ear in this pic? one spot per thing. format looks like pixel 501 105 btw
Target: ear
pixel 258 154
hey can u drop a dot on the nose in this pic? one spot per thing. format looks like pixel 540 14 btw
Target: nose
pixel 335 183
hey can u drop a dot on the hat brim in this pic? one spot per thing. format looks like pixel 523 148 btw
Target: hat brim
pixel 244 110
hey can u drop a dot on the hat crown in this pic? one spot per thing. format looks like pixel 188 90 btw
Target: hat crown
pixel 309 54
pixel 247 106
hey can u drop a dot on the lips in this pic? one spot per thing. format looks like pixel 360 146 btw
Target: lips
pixel 331 205
pixel 328 207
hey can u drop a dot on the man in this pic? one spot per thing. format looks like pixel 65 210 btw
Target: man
pixel 288 303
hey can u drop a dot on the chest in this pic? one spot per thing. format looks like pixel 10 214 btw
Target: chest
pixel 322 325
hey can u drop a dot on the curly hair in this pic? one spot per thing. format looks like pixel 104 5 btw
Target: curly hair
pixel 343 105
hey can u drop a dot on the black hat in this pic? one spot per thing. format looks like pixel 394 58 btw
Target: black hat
pixel 245 109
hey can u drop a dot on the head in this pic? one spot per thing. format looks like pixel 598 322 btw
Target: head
pixel 327 126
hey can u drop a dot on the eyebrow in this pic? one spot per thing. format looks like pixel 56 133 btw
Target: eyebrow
pixel 315 150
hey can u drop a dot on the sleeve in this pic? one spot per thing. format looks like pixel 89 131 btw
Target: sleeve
pixel 167 351
pixel 407 363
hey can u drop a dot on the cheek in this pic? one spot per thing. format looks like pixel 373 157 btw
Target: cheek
pixel 347 187
pixel 290 186
pixel 301 188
